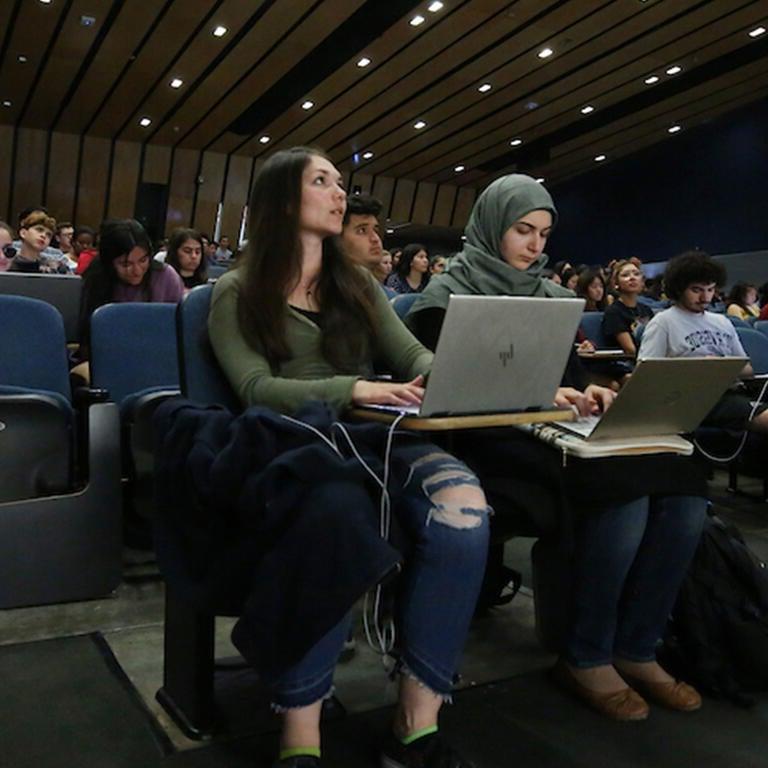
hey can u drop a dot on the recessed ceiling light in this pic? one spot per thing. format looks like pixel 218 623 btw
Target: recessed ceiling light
pixel 540 179
pixel 674 129
pixel 364 62
pixel 463 237
pixel 308 104
pixel 585 110
pixel 435 7
pixel 390 231
pixel 45 2
pixel 532 105
pixel 145 122
pixel 22 58
pixel 545 53
pixel 419 124
pixel 220 31
pixel 6 103
pixel 485 87
pixel 264 140
pixel 417 20
pixel 674 70
pixel 515 142
pixel 177 82
pixel 651 80
pixel 367 155
pixel 459 168
pixel 757 31
pixel 599 158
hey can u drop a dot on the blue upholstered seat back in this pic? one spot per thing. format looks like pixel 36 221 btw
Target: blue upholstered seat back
pixel 202 380
pixel 33 349
pixel 756 346
pixel 133 348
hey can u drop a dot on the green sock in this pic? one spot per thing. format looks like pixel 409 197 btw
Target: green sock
pixel 296 751
pixel 418 734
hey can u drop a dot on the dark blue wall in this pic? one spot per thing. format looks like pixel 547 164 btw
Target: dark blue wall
pixel 706 187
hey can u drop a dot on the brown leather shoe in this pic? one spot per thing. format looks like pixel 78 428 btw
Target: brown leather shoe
pixel 676 695
pixel 626 704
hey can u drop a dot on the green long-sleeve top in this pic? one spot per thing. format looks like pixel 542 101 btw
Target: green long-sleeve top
pixel 307 375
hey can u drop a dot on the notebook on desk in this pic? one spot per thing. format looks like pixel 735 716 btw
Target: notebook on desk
pixel 498 354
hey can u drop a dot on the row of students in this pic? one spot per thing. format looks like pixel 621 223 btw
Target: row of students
pixel 297 322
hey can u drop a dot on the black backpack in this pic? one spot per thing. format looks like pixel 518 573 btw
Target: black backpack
pixel 718 634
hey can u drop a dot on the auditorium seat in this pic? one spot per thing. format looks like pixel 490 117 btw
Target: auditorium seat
pixel 60 506
pixel 60 291
pixel 134 358
pixel 592 325
pixel 403 303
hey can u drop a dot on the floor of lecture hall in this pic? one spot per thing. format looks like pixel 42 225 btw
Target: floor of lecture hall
pixel 502 645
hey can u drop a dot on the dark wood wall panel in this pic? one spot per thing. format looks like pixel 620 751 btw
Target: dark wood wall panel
pixel 383 187
pixel 403 199
pixel 125 179
pixel 182 190
pixel 446 195
pixel 422 206
pixel 464 202
pixel 209 191
pixel 92 188
pixel 30 169
pixel 157 165
pixel 362 180
pixel 6 161
pixel 62 175
pixel 235 195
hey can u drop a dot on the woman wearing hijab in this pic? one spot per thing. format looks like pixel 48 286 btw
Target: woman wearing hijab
pixel 635 533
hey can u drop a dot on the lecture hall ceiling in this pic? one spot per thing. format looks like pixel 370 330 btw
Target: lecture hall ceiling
pixel 621 74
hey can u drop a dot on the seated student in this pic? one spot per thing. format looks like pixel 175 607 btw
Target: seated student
pixel 635 535
pixel 124 271
pixel 296 322
pixel 384 268
pixel 223 251
pixel 412 272
pixel 51 259
pixel 361 232
pixel 437 265
pixel 591 287
pixel 185 255
pixel 6 240
pixel 742 302
pixel 570 279
pixel 625 314
pixel 687 329
pixel 84 248
pixel 35 233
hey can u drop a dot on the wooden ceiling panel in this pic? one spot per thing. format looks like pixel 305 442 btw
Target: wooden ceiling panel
pixel 72 44
pixel 32 32
pixel 561 103
pixel 100 80
pixel 201 106
pixel 397 55
pixel 458 92
pixel 164 43
pixel 161 105
pixel 130 26
pixel 298 43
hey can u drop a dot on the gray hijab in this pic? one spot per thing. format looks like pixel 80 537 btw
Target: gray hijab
pixel 480 268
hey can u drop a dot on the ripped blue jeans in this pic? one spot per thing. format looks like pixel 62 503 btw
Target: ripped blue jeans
pixel 445 515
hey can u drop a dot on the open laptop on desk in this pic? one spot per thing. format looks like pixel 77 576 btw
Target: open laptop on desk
pixel 498 354
pixel 664 396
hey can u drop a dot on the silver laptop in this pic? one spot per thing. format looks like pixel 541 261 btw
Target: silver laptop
pixel 664 396
pixel 498 354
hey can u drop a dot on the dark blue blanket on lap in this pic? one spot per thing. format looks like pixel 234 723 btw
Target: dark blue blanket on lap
pixel 259 517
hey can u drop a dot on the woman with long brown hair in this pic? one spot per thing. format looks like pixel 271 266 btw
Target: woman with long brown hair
pixel 295 322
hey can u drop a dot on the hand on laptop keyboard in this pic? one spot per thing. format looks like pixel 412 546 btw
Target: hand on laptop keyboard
pixel 388 393
pixel 592 401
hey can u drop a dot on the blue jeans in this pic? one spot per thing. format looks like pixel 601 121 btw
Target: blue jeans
pixel 439 584
pixel 630 562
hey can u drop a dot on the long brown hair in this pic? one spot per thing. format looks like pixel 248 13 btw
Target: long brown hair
pixel 273 265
